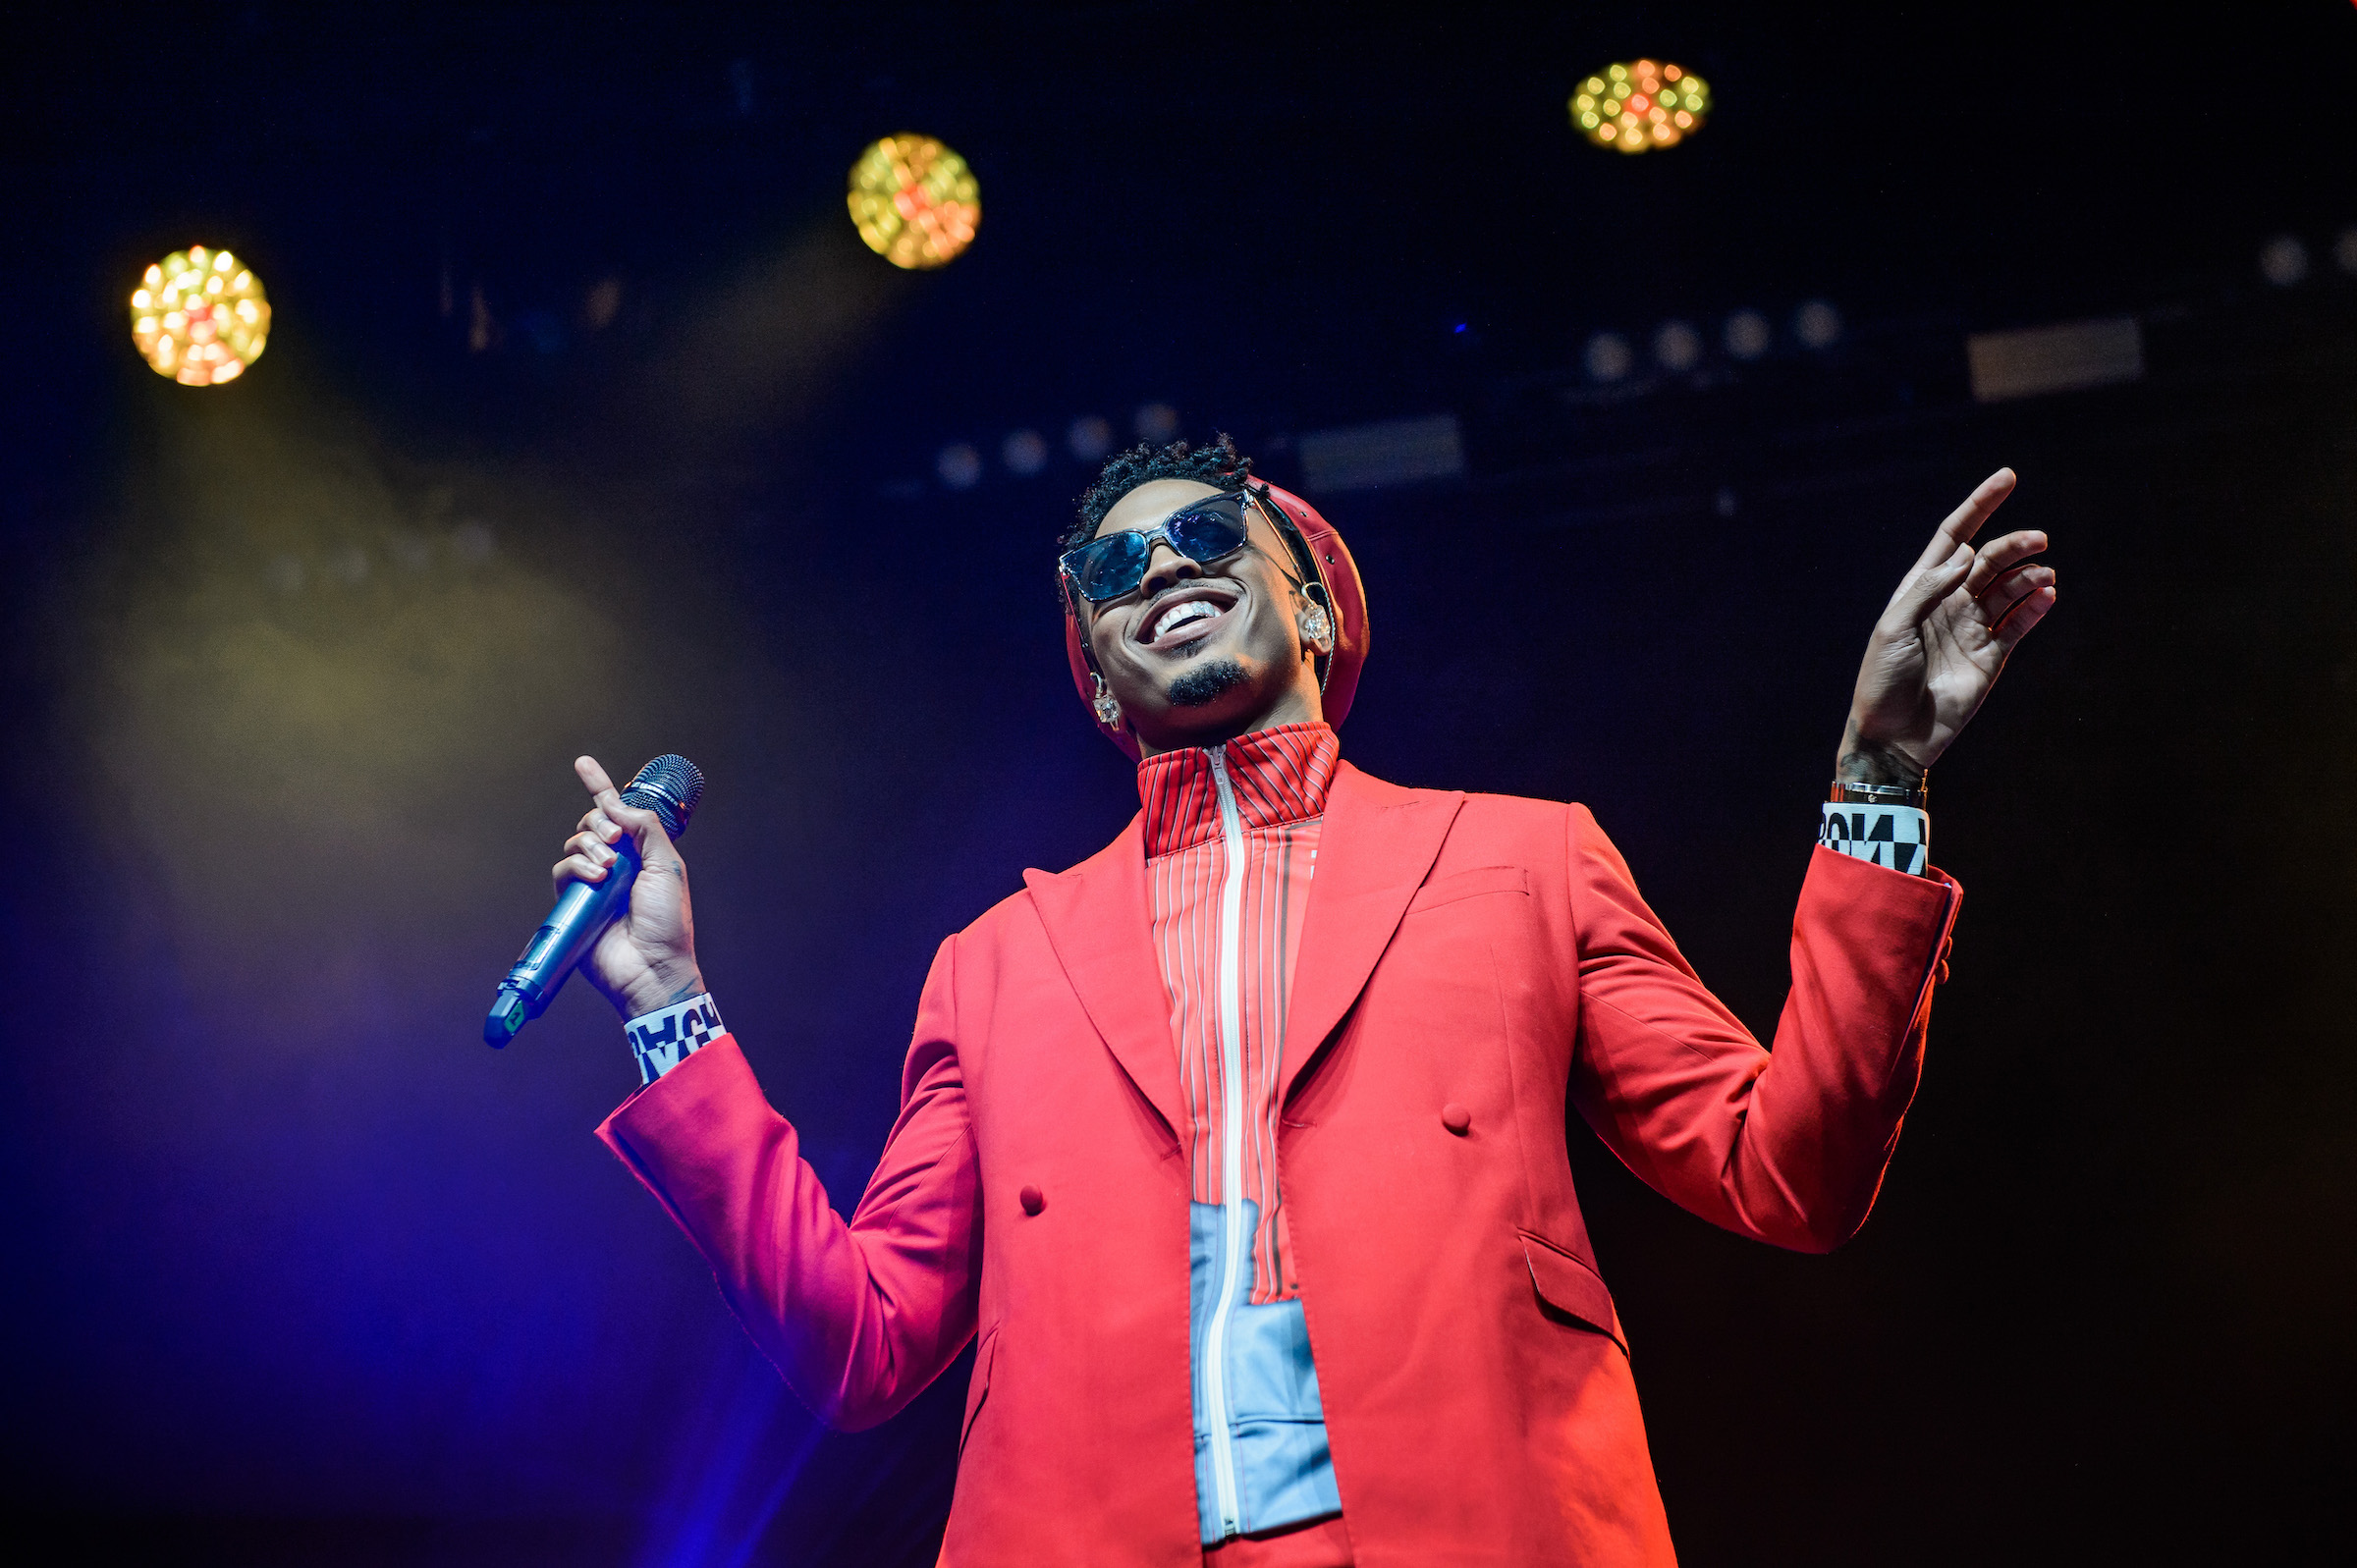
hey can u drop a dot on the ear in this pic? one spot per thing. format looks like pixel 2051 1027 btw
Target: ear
pixel 1317 621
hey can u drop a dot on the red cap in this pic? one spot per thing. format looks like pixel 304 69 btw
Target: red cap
pixel 1342 587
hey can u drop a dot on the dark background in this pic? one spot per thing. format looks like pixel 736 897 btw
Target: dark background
pixel 300 1271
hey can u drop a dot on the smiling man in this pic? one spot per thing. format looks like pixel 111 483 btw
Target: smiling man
pixel 1239 1147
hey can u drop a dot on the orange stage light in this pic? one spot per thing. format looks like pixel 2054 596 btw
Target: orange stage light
pixel 1640 106
pixel 200 316
pixel 915 201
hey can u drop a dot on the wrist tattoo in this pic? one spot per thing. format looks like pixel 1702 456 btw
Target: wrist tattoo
pixel 1867 764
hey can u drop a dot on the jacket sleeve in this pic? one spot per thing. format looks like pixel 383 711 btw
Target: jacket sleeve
pixel 859 1316
pixel 1790 1147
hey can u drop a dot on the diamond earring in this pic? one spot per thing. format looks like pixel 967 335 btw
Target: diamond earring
pixel 1109 712
pixel 1318 628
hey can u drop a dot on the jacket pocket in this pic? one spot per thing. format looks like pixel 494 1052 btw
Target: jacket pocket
pixel 980 1390
pixel 1572 1288
pixel 1470 884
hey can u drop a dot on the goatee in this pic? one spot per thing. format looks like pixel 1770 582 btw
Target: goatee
pixel 1207 683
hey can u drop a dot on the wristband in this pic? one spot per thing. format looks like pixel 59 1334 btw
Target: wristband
pixel 663 1039
pixel 1897 837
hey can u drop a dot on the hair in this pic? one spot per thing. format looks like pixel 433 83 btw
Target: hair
pixel 1218 463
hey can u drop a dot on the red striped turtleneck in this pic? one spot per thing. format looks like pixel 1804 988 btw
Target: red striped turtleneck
pixel 1278 779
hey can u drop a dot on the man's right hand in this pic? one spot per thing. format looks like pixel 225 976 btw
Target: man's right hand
pixel 646 958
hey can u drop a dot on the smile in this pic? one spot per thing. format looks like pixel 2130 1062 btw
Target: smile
pixel 1187 615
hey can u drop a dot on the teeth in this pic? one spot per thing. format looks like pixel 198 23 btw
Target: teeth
pixel 1179 615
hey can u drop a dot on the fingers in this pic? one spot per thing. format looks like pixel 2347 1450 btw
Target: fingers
pixel 2001 557
pixel 594 845
pixel 572 869
pixel 1965 521
pixel 588 855
pixel 642 825
pixel 2012 593
pixel 596 829
pixel 1998 599
pixel 1926 587
pixel 2024 616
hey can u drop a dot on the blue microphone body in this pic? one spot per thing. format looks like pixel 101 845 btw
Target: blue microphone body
pixel 671 787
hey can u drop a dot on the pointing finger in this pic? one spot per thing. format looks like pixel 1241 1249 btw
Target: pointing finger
pixel 601 788
pixel 1965 521
pixel 611 819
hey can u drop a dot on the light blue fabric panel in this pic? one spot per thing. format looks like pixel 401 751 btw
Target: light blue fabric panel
pixel 1277 1426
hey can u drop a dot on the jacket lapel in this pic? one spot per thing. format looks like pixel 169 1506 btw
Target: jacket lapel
pixel 1374 849
pixel 1097 921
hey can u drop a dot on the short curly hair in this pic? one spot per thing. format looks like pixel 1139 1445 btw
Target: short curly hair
pixel 1218 463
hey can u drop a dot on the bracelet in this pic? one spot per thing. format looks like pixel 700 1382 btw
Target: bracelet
pixel 1866 794
pixel 663 1039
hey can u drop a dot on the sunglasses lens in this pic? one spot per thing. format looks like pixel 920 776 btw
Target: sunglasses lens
pixel 1110 567
pixel 1209 531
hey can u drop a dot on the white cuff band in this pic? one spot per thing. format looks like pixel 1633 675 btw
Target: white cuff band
pixel 663 1039
pixel 1897 837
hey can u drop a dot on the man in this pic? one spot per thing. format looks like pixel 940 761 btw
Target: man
pixel 1241 1146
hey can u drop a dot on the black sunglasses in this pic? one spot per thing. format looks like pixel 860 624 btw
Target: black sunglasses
pixel 1209 530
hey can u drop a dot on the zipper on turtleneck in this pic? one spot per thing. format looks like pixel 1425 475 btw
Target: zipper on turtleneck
pixel 1233 1228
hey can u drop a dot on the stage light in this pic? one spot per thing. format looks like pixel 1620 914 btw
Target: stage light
pixel 1089 438
pixel 1817 324
pixel 959 467
pixel 1608 357
pixel 1157 421
pixel 1747 335
pixel 2344 251
pixel 1677 346
pixel 915 201
pixel 200 316
pixel 1639 106
pixel 2283 260
pixel 1026 451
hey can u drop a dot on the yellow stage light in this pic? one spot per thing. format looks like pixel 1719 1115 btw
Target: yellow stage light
pixel 200 318
pixel 1639 106
pixel 915 201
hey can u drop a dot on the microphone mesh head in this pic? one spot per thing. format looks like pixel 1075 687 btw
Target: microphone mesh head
pixel 670 787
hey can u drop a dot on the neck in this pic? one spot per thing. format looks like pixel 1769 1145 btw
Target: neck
pixel 1297 706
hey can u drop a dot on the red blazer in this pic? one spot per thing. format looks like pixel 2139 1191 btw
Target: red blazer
pixel 1468 961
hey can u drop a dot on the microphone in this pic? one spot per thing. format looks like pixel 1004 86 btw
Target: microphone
pixel 670 787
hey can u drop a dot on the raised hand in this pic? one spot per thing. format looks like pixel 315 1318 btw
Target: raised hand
pixel 1941 642
pixel 646 958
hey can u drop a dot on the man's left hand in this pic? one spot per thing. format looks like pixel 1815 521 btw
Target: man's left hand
pixel 1942 641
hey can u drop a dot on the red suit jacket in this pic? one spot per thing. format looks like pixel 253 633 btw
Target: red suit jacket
pixel 1468 963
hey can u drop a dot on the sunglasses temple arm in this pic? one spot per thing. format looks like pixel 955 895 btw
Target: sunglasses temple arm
pixel 1312 582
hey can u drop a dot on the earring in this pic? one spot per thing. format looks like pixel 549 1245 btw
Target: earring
pixel 1109 712
pixel 1318 628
